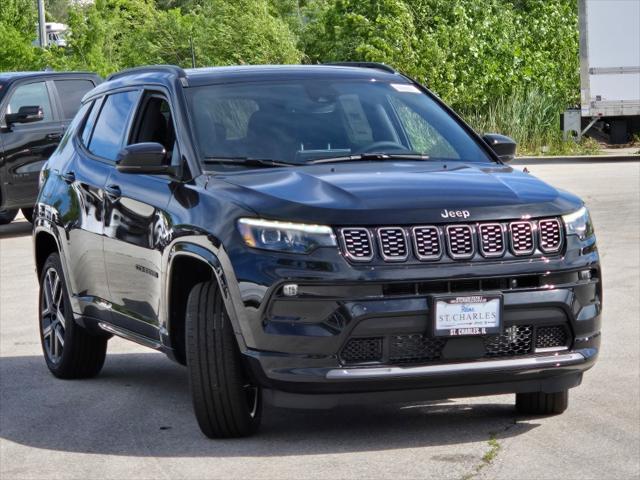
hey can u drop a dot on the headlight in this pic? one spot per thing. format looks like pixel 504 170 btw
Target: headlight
pixel 579 223
pixel 42 176
pixel 285 236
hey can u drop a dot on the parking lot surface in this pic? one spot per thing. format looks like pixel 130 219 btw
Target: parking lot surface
pixel 135 419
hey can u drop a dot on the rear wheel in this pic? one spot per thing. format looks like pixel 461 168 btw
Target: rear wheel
pixel 226 401
pixel 28 214
pixel 7 216
pixel 69 350
pixel 540 403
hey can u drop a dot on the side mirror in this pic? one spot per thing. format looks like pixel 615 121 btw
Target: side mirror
pixel 149 157
pixel 504 146
pixel 26 114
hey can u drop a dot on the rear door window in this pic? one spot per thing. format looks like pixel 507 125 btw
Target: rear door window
pixel 108 134
pixel 70 93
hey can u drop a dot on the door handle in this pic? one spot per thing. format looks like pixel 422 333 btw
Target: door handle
pixel 113 191
pixel 69 177
pixel 53 136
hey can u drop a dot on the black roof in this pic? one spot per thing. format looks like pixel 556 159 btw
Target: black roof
pixel 165 74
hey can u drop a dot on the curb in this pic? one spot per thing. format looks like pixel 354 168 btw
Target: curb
pixel 575 159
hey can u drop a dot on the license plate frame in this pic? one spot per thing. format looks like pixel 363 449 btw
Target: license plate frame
pixel 482 304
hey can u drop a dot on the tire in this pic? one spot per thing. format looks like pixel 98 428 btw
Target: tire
pixel 69 350
pixel 227 403
pixel 7 216
pixel 540 403
pixel 28 214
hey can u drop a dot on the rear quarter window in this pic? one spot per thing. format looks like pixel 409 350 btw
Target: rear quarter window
pixel 70 93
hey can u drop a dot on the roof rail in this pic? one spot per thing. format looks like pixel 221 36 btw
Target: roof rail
pixel 376 65
pixel 179 72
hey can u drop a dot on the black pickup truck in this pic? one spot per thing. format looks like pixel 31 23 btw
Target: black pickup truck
pixel 35 109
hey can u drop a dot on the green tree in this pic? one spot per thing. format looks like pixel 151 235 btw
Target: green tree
pixel 17 32
pixel 362 30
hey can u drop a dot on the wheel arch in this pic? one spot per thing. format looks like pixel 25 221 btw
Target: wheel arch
pixel 44 244
pixel 188 265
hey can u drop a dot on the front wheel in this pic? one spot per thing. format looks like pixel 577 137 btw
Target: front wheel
pixel 226 401
pixel 540 403
pixel 69 350
pixel 7 216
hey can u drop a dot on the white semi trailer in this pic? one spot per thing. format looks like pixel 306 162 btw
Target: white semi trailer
pixel 609 69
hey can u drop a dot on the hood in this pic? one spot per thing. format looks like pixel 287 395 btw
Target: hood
pixel 377 193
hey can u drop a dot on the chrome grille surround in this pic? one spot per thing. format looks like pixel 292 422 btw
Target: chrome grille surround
pixel 427 242
pixel 460 241
pixel 491 240
pixel 358 245
pixel 394 246
pixel 522 236
pixel 550 235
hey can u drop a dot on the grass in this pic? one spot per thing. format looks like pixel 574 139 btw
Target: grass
pixel 533 120
pixel 488 457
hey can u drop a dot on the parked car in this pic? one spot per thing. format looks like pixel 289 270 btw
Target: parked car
pixel 35 109
pixel 310 236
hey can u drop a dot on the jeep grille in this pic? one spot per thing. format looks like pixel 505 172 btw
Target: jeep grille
pixel 476 241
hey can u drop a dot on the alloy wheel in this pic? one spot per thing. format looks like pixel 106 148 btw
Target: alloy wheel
pixel 52 315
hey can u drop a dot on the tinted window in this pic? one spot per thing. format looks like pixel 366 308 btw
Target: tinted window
pixel 299 120
pixel 108 132
pixel 30 95
pixel 71 93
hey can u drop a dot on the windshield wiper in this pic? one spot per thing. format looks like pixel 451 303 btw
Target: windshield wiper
pixel 248 161
pixel 371 156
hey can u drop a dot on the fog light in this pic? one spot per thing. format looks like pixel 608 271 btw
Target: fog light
pixel 290 290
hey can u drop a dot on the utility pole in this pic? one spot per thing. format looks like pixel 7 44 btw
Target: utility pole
pixel 42 29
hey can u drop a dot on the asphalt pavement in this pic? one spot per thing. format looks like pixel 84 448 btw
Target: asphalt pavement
pixel 135 419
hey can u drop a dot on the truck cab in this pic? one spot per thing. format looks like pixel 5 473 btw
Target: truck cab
pixel 35 110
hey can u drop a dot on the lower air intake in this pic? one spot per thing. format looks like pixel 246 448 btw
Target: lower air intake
pixel 361 350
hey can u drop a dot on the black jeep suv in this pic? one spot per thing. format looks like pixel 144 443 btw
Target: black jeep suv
pixel 310 236
pixel 35 109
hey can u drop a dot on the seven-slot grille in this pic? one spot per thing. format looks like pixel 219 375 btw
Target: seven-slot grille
pixel 393 243
pixel 522 241
pixel 550 232
pixel 462 242
pixel 357 243
pixel 491 239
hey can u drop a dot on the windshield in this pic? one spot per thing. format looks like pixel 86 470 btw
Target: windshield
pixel 304 121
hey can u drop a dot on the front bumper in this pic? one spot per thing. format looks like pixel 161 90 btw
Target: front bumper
pixel 549 373
pixel 294 344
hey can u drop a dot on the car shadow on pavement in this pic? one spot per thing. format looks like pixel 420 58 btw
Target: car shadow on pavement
pixel 140 406
pixel 16 229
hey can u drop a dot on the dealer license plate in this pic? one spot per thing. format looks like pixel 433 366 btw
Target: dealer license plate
pixel 467 315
